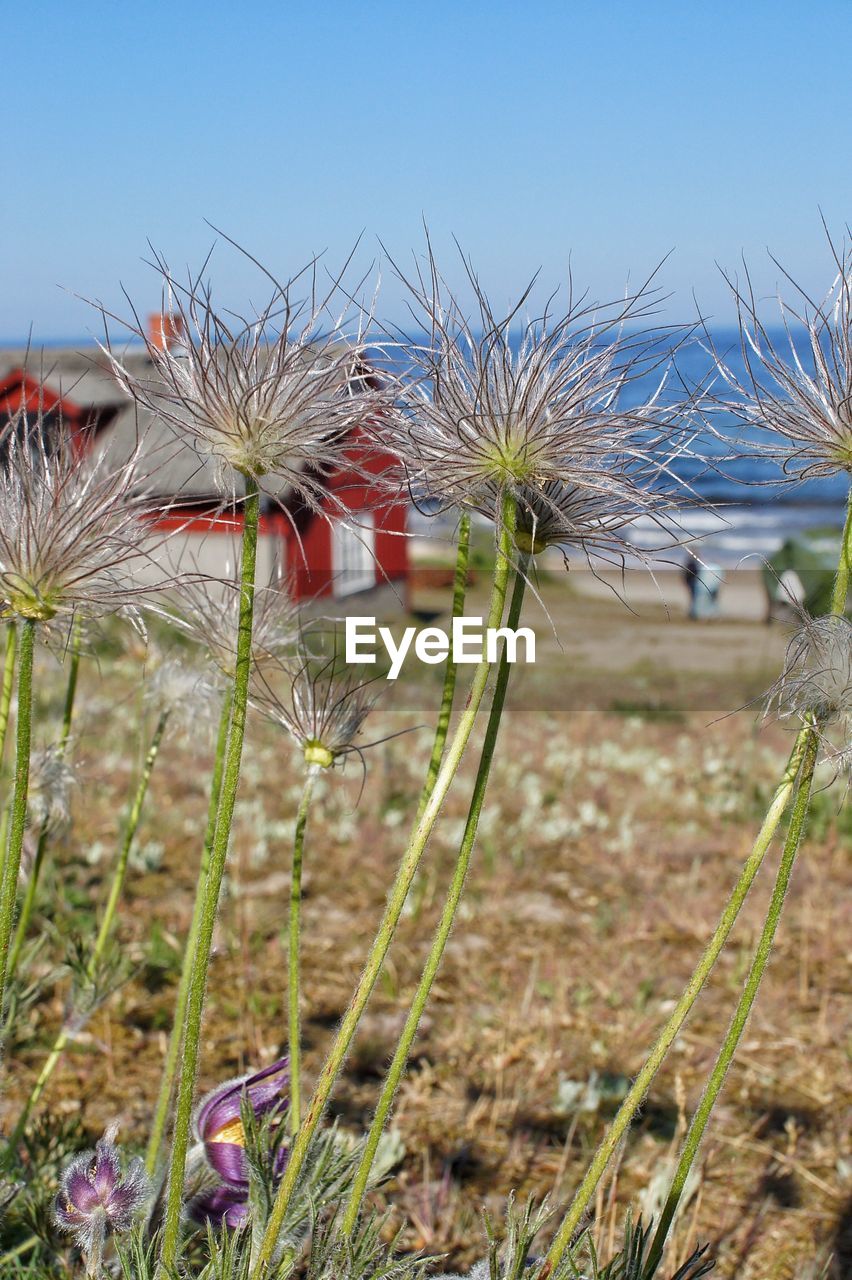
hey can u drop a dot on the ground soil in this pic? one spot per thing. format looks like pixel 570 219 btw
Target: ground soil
pixel 633 770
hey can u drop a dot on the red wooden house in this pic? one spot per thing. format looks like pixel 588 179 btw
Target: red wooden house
pixel 314 554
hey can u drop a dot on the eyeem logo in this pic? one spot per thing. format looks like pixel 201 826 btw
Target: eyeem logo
pixel 468 642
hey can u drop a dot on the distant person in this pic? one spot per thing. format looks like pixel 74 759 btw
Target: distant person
pixel 702 582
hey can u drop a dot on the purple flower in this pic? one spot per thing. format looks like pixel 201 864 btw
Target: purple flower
pixel 219 1120
pixel 95 1197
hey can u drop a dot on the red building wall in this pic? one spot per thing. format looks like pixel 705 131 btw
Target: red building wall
pixel 308 557
pixel 306 536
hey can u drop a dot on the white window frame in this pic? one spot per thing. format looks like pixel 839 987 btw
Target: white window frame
pixel 353 555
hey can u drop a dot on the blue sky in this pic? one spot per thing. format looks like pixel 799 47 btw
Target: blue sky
pixel 613 132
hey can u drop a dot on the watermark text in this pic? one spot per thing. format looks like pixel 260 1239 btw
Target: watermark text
pixel 468 641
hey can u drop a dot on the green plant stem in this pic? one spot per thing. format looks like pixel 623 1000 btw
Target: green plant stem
pixel 393 910
pixel 810 734
pixel 12 863
pixel 71 686
pixel 451 669
pixel 213 883
pixel 445 924
pixel 8 683
pixel 170 1065
pixel 28 904
pixel 744 1006
pixel 771 822
pixel 293 968
pixel 131 826
pixel 4 838
pixel 844 565
pixel 19 1250
pixel 64 1033
pixel 664 1041
pixel 48 1067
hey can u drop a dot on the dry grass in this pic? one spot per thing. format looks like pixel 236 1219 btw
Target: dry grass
pixel 616 821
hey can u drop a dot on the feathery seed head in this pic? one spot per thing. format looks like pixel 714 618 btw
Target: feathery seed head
pixel 208 613
pixel 180 690
pixel 277 391
pixel 592 515
pixel 797 393
pixel 51 780
pixel 489 410
pixel 323 710
pixel 71 530
pixel 816 684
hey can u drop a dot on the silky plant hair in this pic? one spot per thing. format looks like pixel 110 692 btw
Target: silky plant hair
pixel 52 777
pixel 180 689
pixel 815 686
pixel 796 396
pixel 538 407
pixel 207 612
pixel 73 538
pixel 322 706
pixel 566 515
pixel 276 391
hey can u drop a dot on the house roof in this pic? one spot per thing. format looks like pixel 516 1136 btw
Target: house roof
pixel 75 376
pixel 171 466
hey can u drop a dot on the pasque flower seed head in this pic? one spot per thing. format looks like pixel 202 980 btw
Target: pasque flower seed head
pixel 795 399
pixel 275 391
pixel 73 540
pixel 499 404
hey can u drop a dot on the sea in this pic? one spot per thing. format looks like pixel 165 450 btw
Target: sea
pixel 743 509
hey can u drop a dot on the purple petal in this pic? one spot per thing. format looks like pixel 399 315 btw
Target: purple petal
pixel 229 1161
pixel 223 1204
pixel 66 1215
pixel 280 1066
pixel 221 1108
pixel 218 1109
pixel 106 1170
pixel 128 1196
pixel 79 1189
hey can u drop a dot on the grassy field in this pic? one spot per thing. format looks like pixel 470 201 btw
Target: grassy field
pixel 624 800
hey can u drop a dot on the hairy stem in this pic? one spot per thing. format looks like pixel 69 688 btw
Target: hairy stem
pixel 844 565
pixel 744 1007
pixel 393 910
pixel 134 816
pixel 771 822
pixel 64 1034
pixel 28 904
pixel 8 683
pixel 665 1039
pixel 451 670
pixel 445 924
pixel 48 1067
pixel 12 863
pixel 71 686
pixel 213 883
pixel 94 1256
pixel 170 1065
pixel 810 734
pixel 293 968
